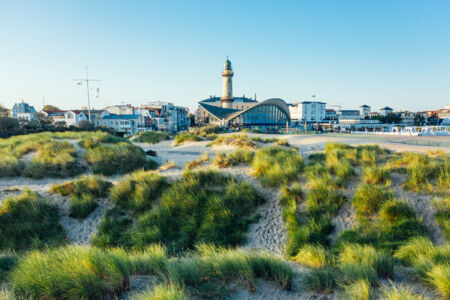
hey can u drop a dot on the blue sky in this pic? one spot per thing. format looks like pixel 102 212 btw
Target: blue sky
pixel 394 53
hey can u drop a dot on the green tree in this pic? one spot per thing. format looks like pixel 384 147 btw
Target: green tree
pixel 4 112
pixel 419 120
pixel 50 107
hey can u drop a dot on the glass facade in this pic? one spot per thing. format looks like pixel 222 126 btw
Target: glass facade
pixel 261 115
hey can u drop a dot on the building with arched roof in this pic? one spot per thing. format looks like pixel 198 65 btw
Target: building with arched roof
pixel 229 111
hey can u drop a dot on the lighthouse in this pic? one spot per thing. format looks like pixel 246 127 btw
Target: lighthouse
pixel 227 75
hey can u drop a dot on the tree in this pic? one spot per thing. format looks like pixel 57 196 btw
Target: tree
pixel 50 107
pixel 419 120
pixel 43 120
pixel 433 120
pixel 191 120
pixel 4 112
pixel 393 118
pixel 8 126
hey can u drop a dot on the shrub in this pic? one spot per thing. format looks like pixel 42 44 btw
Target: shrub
pixel 186 137
pixel 323 280
pixel 429 261
pixel 114 230
pixel 369 198
pixel 205 130
pixel 234 158
pixel 198 162
pixel 379 260
pixel 312 256
pixel 416 248
pixel 439 277
pixel 203 206
pixel 8 260
pixel 82 206
pixel 138 191
pixel 29 221
pixel 206 273
pixel 83 194
pixel 290 197
pixel 236 140
pixel 399 292
pixel 53 159
pixel 92 185
pixel 108 159
pixel 73 272
pixel 395 210
pixel 168 165
pixel 275 166
pixel 443 215
pixel 151 137
pixel 376 175
pixel 163 292
pixel 359 290
pixel 322 199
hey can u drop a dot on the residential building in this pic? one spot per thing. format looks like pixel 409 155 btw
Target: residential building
pixel 175 118
pixel 308 111
pixel 406 118
pixel 348 114
pixel 127 124
pixel 74 117
pixel 23 111
pixel 386 111
pixel 359 125
pixel 364 111
pixel 330 115
pixel 57 116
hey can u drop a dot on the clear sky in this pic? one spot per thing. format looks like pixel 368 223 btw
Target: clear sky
pixel 393 52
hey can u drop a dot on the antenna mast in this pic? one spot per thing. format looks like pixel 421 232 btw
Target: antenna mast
pixel 87 89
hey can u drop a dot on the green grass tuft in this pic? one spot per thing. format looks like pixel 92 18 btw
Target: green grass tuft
pixel 138 191
pixel 151 137
pixel 28 221
pixel 275 166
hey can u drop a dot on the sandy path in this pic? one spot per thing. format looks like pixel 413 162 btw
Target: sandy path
pixel 422 205
pixel 79 232
pixel 346 216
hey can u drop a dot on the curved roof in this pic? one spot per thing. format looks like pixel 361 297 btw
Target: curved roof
pixel 227 113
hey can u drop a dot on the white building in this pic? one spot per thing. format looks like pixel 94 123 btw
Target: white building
pixel 74 117
pixel 309 111
pixel 124 109
pixel 364 111
pixel 57 116
pixel 23 111
pixel 386 111
pixel 128 124
pixel 349 114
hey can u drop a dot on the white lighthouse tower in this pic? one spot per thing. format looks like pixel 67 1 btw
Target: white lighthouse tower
pixel 227 75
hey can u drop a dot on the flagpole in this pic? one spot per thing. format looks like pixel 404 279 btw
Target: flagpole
pixel 89 101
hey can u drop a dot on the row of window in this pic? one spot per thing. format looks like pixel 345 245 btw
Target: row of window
pixel 262 114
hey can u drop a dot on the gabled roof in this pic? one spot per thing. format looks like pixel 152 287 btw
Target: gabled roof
pixel 365 106
pixel 386 108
